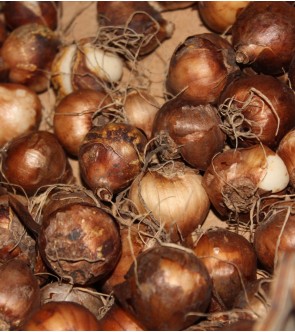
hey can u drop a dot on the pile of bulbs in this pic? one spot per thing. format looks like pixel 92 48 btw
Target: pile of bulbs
pixel 105 197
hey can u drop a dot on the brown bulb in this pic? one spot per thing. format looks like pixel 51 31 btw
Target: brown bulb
pixel 80 242
pixel 17 13
pixel 111 157
pixel 19 293
pixel 230 259
pixel 118 319
pixel 263 36
pixel 255 299
pixel 257 109
pixel 237 177
pixel 274 235
pixel 191 131
pixel 200 67
pixel 15 242
pixel 73 117
pixel 219 16
pixel 164 286
pixel 144 23
pixel 34 160
pixel 291 72
pixel 3 32
pixel 132 245
pixel 28 52
pixel 62 316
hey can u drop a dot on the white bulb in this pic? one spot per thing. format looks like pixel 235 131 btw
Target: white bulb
pixel 276 177
pixel 107 65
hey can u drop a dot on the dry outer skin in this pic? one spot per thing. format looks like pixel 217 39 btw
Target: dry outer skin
pixel 276 233
pixel 20 294
pixel 14 242
pixel 229 192
pixel 230 259
pixel 110 157
pixel 155 65
pixel 80 242
pixel 164 286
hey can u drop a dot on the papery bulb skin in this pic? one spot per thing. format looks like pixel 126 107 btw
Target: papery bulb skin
pixel 34 160
pixel 172 195
pixel 111 157
pixel 201 67
pixel 62 316
pixel 17 13
pixel 190 131
pixel 118 319
pixel 274 235
pixel 140 109
pixel 236 178
pixel 132 246
pixel 85 65
pixel 29 52
pixel 15 242
pixel 230 259
pixel 81 242
pixel 255 297
pixel 263 36
pixel 63 291
pixel 286 150
pixel 61 69
pixel 20 294
pixel 257 108
pixel 163 287
pixel 73 117
pixel 142 20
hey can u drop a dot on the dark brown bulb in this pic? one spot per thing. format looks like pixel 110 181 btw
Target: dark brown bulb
pixel 80 242
pixel 257 109
pixel 164 286
pixel 17 13
pixel 263 36
pixel 191 131
pixel 34 160
pixel 145 23
pixel 230 259
pixel 111 157
pixel 19 293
